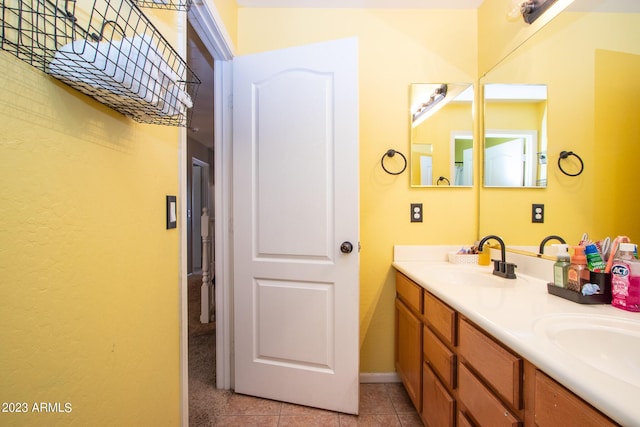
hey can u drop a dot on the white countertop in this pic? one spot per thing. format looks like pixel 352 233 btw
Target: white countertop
pixel 516 312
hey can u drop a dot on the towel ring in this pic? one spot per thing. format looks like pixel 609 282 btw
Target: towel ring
pixel 443 178
pixel 566 154
pixel 391 153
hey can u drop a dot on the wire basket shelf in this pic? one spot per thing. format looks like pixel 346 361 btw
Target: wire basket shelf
pixel 180 5
pixel 110 52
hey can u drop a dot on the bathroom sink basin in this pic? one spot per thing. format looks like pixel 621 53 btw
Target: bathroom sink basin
pixel 456 275
pixel 606 343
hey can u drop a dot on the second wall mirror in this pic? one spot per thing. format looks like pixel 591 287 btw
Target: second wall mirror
pixel 441 120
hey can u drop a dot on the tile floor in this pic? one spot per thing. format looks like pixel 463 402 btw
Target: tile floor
pixel 385 405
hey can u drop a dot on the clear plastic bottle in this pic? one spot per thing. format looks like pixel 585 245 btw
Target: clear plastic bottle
pixel 625 279
pixel 578 273
pixel 561 266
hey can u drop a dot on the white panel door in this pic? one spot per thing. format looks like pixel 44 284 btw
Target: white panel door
pixel 467 166
pixel 504 164
pixel 295 183
pixel 426 170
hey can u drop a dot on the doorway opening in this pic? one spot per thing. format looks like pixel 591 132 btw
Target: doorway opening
pixel 200 194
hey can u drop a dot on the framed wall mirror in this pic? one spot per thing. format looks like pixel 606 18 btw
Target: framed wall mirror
pixel 442 148
pixel 515 135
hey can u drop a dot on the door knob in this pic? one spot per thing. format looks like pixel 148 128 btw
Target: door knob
pixel 346 247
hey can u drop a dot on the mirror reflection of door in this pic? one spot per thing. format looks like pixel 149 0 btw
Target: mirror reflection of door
pixel 462 155
pixel 199 200
pixel 510 158
pixel 426 170
pixel 503 165
pixel 515 115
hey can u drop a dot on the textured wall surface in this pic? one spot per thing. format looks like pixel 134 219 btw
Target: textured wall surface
pixel 89 286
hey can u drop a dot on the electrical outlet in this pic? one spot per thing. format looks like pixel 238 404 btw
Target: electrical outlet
pixel 537 212
pixel 416 212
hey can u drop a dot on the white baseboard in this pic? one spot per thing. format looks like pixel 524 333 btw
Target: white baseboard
pixel 379 377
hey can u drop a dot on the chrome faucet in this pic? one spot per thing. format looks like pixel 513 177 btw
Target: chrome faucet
pixel 548 238
pixel 501 267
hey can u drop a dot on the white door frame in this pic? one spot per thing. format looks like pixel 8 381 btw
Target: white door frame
pixel 208 24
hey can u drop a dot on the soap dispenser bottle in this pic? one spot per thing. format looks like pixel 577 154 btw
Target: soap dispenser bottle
pixel 578 273
pixel 561 266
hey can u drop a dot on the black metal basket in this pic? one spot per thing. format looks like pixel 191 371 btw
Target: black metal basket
pixel 111 52
pixel 180 5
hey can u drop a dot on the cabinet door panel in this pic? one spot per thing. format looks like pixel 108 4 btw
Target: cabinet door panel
pixel 409 352
pixel 483 406
pixel 499 367
pixel 555 406
pixel 438 407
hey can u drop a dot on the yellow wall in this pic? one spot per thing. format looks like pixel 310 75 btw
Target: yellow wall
pixel 228 10
pixel 616 130
pixel 89 288
pixel 397 47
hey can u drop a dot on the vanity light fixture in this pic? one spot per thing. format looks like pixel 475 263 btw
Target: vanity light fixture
pixel 427 109
pixel 533 9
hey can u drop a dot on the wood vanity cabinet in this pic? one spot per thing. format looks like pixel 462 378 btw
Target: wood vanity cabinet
pixel 408 328
pixel 439 334
pixel 491 378
pixel 438 405
pixel 556 406
pixel 457 375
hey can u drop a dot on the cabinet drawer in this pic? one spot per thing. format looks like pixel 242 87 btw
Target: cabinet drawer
pixel 555 406
pixel 409 292
pixel 440 317
pixel 439 357
pixel 481 403
pixel 500 368
pixel 438 407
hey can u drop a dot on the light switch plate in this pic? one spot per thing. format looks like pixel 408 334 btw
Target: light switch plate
pixel 172 220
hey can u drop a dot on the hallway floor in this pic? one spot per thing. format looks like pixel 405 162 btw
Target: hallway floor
pixel 383 405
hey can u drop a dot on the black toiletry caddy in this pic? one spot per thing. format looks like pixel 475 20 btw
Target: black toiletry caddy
pixel 601 279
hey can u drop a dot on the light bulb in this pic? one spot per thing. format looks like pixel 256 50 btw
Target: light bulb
pixel 518 7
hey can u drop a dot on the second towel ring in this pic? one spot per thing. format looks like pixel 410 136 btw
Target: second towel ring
pixel 391 153
pixel 566 154
pixel 443 178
